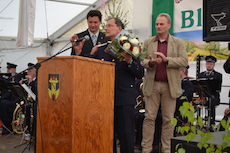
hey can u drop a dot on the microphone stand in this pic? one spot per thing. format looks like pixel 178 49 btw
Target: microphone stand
pixel 37 66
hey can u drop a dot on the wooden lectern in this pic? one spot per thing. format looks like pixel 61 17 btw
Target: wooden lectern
pixel 75 112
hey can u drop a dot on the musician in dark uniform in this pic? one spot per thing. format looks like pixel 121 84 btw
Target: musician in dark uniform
pixel 94 21
pixel 31 81
pixel 11 68
pixel 211 74
pixel 125 93
pixel 186 96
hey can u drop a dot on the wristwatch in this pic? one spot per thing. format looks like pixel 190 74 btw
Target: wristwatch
pixel 167 59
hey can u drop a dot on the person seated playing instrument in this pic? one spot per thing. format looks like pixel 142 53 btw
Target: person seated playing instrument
pixel 211 74
pixel 187 94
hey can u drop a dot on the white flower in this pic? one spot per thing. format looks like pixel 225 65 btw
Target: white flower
pixel 134 41
pixel 135 51
pixel 123 38
pixel 127 46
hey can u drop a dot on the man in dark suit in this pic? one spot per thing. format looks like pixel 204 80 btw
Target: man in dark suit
pixel 126 72
pixel 94 21
pixel 211 74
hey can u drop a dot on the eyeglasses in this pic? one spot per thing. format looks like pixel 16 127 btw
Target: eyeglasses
pixel 109 26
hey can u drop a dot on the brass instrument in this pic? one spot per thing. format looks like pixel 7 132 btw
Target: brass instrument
pixel 140 100
pixel 18 122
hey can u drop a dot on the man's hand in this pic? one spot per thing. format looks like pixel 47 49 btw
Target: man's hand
pixel 94 49
pixel 29 77
pixel 127 57
pixel 154 61
pixel 162 56
pixel 226 111
pixel 79 47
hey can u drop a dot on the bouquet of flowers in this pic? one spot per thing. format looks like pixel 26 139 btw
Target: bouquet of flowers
pixel 125 42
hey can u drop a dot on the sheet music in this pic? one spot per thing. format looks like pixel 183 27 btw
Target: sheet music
pixel 29 91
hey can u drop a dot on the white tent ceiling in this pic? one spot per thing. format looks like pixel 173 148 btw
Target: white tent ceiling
pixel 50 17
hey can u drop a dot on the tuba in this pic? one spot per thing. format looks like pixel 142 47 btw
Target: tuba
pixel 19 116
pixel 18 122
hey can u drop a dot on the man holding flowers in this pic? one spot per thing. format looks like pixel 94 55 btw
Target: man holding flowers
pixel 126 71
pixel 162 84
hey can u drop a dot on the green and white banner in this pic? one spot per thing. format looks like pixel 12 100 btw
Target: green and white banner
pixel 187 17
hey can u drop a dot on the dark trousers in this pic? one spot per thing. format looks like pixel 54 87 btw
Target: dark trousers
pixel 6 111
pixel 124 128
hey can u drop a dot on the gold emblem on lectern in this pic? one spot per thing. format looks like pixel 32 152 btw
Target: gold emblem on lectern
pixel 54 86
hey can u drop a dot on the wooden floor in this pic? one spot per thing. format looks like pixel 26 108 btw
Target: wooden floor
pixel 11 141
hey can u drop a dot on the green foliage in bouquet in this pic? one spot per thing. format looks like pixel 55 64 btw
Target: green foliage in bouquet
pixel 188 129
pixel 116 11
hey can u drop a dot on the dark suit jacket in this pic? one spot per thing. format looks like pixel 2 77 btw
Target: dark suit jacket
pixel 216 76
pixel 227 65
pixel 125 91
pixel 88 45
pixel 227 69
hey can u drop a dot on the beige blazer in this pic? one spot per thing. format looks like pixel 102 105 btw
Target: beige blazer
pixel 177 57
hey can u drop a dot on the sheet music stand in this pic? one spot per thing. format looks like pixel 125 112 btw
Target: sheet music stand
pixel 204 88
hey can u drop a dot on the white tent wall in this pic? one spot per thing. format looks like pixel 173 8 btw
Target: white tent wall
pixel 18 56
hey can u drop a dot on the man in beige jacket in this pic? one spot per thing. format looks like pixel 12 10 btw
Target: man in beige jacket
pixel 162 84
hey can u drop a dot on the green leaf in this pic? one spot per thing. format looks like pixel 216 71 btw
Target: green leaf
pixel 223 136
pixel 226 138
pixel 182 130
pixel 181 150
pixel 177 146
pixel 200 122
pixel 211 146
pixel 190 116
pixel 174 122
pixel 182 110
pixel 219 147
pixel 193 129
pixel 209 135
pixel 200 133
pixel 178 129
pixel 3 147
pixel 186 128
pixel 218 151
pixel 225 145
pixel 223 123
pixel 200 145
pixel 183 97
pixel 206 145
pixel 187 138
pixel 204 140
pixel 192 136
pixel 218 127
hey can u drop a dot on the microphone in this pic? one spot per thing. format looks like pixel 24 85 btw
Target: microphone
pixel 82 38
